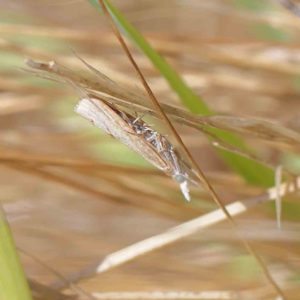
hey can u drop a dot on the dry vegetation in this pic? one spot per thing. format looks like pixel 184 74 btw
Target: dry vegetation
pixel 90 218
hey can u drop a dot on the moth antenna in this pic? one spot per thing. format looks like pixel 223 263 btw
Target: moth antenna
pixel 138 118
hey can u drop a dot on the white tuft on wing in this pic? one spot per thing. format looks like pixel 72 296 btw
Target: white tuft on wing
pixel 185 190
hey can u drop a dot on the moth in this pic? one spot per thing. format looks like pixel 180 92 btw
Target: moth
pixel 138 136
pixel 133 132
pixel 127 128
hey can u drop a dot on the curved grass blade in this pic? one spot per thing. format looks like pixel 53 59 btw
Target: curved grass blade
pixel 13 284
pixel 253 172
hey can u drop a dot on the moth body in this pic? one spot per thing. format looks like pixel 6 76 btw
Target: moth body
pixel 138 136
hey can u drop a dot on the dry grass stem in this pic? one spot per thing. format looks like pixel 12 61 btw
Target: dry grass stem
pixel 212 295
pixel 178 232
pixel 133 100
pixel 86 189
pixel 97 168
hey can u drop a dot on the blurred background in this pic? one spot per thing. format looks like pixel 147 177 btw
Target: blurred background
pixel 73 195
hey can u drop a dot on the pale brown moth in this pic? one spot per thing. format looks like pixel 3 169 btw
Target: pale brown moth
pixel 138 136
pixel 133 132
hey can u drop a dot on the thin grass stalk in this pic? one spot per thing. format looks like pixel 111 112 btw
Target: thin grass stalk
pixel 76 289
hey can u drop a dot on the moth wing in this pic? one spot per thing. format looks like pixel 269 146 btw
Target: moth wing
pixel 93 112
pixel 102 116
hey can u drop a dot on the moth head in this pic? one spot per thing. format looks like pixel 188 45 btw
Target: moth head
pixel 179 178
pixel 183 180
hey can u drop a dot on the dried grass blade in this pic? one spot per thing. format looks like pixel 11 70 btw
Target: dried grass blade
pixel 177 233
pixel 251 127
pixel 165 295
pixel 254 127
pixel 86 189
pixel 75 162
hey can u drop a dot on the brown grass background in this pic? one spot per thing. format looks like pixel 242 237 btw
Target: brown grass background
pixel 243 62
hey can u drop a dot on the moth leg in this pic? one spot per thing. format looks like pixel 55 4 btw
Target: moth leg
pixel 160 145
pixel 141 129
pixel 152 137
pixel 137 117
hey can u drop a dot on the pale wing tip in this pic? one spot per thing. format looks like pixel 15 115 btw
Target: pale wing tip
pixel 80 105
pixel 185 191
pixel 77 106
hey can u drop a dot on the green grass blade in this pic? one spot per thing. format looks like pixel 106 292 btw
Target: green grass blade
pixel 253 172
pixel 13 284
